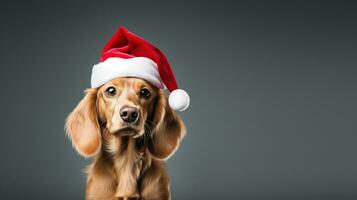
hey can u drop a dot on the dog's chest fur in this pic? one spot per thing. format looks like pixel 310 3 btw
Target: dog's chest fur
pixel 130 160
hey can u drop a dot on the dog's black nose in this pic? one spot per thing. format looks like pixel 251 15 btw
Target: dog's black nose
pixel 129 114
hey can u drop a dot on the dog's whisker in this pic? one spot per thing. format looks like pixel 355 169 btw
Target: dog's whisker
pixel 148 129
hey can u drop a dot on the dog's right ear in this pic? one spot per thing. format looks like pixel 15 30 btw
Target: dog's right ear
pixel 82 126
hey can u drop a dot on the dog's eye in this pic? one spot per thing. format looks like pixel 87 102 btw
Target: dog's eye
pixel 144 93
pixel 110 91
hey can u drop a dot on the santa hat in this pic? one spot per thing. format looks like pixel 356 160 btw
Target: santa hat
pixel 127 55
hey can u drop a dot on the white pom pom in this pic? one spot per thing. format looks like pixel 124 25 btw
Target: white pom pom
pixel 179 100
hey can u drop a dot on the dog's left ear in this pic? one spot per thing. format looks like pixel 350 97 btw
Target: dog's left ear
pixel 82 126
pixel 167 129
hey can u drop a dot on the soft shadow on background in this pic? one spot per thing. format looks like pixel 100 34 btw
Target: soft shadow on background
pixel 273 89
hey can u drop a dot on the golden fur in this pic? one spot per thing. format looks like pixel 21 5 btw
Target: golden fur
pixel 128 163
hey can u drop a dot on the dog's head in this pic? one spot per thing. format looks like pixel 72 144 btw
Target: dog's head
pixel 125 107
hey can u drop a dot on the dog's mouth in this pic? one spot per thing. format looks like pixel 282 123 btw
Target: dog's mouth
pixel 127 131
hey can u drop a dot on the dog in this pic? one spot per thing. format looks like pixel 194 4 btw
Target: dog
pixel 130 130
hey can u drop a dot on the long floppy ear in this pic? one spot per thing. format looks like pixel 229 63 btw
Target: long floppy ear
pixel 167 129
pixel 82 126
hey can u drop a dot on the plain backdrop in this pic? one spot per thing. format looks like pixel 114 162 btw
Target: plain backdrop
pixel 272 84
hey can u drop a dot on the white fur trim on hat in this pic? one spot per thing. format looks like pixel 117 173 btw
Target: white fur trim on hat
pixel 140 67
pixel 179 100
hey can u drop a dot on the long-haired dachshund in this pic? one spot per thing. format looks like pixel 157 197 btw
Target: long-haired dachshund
pixel 130 129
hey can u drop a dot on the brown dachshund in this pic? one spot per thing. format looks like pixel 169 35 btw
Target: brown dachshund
pixel 129 129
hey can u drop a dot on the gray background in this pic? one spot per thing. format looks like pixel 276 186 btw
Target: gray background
pixel 273 89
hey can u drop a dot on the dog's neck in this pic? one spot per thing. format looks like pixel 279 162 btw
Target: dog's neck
pixel 130 160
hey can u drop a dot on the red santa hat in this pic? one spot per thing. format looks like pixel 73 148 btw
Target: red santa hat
pixel 127 55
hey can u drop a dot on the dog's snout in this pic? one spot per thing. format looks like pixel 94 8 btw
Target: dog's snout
pixel 129 114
